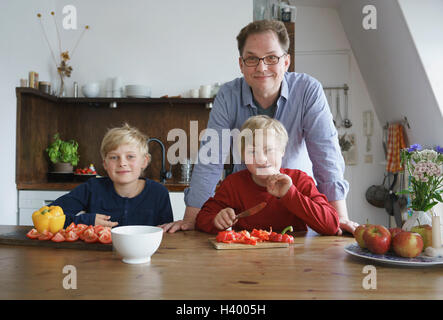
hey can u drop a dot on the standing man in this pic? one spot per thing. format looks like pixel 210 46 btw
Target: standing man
pixel 295 99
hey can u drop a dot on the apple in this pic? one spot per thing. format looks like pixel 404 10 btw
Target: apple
pixel 394 231
pixel 426 233
pixel 358 234
pixel 407 244
pixel 377 239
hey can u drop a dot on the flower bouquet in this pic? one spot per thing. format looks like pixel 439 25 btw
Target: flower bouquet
pixel 424 167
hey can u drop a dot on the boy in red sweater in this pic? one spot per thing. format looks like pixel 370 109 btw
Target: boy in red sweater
pixel 291 195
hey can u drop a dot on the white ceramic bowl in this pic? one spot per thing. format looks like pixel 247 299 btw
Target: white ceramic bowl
pixel 91 90
pixel 137 91
pixel 136 244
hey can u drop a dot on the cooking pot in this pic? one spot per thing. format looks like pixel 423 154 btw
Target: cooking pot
pixel 377 194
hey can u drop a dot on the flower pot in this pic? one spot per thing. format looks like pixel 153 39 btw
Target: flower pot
pixel 62 167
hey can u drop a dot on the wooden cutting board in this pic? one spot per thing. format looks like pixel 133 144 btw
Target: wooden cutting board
pixel 259 245
pixel 18 237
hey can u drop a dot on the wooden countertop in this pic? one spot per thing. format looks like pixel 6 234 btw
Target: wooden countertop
pixel 186 266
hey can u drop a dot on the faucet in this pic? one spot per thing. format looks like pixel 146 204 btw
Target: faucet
pixel 163 173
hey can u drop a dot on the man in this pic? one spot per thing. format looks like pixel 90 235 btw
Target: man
pixel 297 100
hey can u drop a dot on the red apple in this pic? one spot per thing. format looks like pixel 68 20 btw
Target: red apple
pixel 377 239
pixel 395 231
pixel 426 233
pixel 407 244
pixel 358 234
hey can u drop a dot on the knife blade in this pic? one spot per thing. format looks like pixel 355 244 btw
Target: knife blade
pixel 251 211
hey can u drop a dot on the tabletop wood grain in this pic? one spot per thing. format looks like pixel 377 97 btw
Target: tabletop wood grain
pixel 187 266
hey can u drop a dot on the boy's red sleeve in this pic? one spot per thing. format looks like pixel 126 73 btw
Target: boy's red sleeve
pixel 206 216
pixel 307 203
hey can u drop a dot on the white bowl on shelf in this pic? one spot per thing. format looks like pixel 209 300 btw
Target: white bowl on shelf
pixel 91 90
pixel 136 244
pixel 137 91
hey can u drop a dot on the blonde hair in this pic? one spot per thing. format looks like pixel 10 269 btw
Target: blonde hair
pixel 126 134
pixel 264 123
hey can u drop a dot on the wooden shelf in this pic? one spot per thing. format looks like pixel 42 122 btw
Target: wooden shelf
pixel 107 100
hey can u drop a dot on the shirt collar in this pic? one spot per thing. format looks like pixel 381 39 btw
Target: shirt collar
pixel 247 92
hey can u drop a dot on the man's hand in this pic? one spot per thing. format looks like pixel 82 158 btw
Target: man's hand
pixel 188 222
pixel 346 225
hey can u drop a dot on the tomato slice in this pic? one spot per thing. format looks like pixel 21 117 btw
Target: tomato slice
pixel 91 238
pixel 71 236
pixel 98 228
pixel 80 228
pixel 33 234
pixel 46 235
pixel 105 237
pixel 58 237
pixel 72 226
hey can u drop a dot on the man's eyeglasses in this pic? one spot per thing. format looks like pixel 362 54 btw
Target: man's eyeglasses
pixel 268 60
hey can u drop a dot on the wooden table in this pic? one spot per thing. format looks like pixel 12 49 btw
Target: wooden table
pixel 186 266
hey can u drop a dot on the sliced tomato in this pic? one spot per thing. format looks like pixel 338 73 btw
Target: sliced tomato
pixel 91 238
pixel 33 234
pixel 97 228
pixel 105 229
pixel 72 226
pixel 46 235
pixel 71 236
pixel 58 237
pixel 105 237
pixel 88 232
pixel 80 228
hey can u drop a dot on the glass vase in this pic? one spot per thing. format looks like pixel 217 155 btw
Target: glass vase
pixel 417 218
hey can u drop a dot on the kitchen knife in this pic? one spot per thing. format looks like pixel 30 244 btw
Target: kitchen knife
pixel 251 211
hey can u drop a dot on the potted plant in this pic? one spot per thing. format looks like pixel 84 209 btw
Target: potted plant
pixel 63 154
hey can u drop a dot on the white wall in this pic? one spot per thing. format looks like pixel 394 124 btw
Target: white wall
pixel 425 23
pixel 395 59
pixel 171 45
pixel 322 50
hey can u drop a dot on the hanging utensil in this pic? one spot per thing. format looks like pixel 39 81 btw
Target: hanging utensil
pixel 329 97
pixel 346 122
pixel 338 119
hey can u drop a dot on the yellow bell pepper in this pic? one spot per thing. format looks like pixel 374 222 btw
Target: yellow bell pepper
pixel 50 218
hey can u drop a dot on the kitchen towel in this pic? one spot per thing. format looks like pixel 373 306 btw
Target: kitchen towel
pixel 396 142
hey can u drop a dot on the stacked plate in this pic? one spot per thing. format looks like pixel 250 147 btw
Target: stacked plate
pixel 137 91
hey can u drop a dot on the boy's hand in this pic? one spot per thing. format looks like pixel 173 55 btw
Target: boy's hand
pixel 225 219
pixel 278 184
pixel 102 219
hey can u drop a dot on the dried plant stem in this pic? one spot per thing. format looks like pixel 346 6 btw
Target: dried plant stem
pixel 47 41
pixel 76 44
pixel 58 35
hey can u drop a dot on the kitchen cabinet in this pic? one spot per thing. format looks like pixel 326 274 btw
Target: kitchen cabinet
pixel 178 204
pixel 86 120
pixel 32 200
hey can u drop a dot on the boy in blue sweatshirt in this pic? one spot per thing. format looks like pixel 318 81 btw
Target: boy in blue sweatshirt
pixel 123 197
